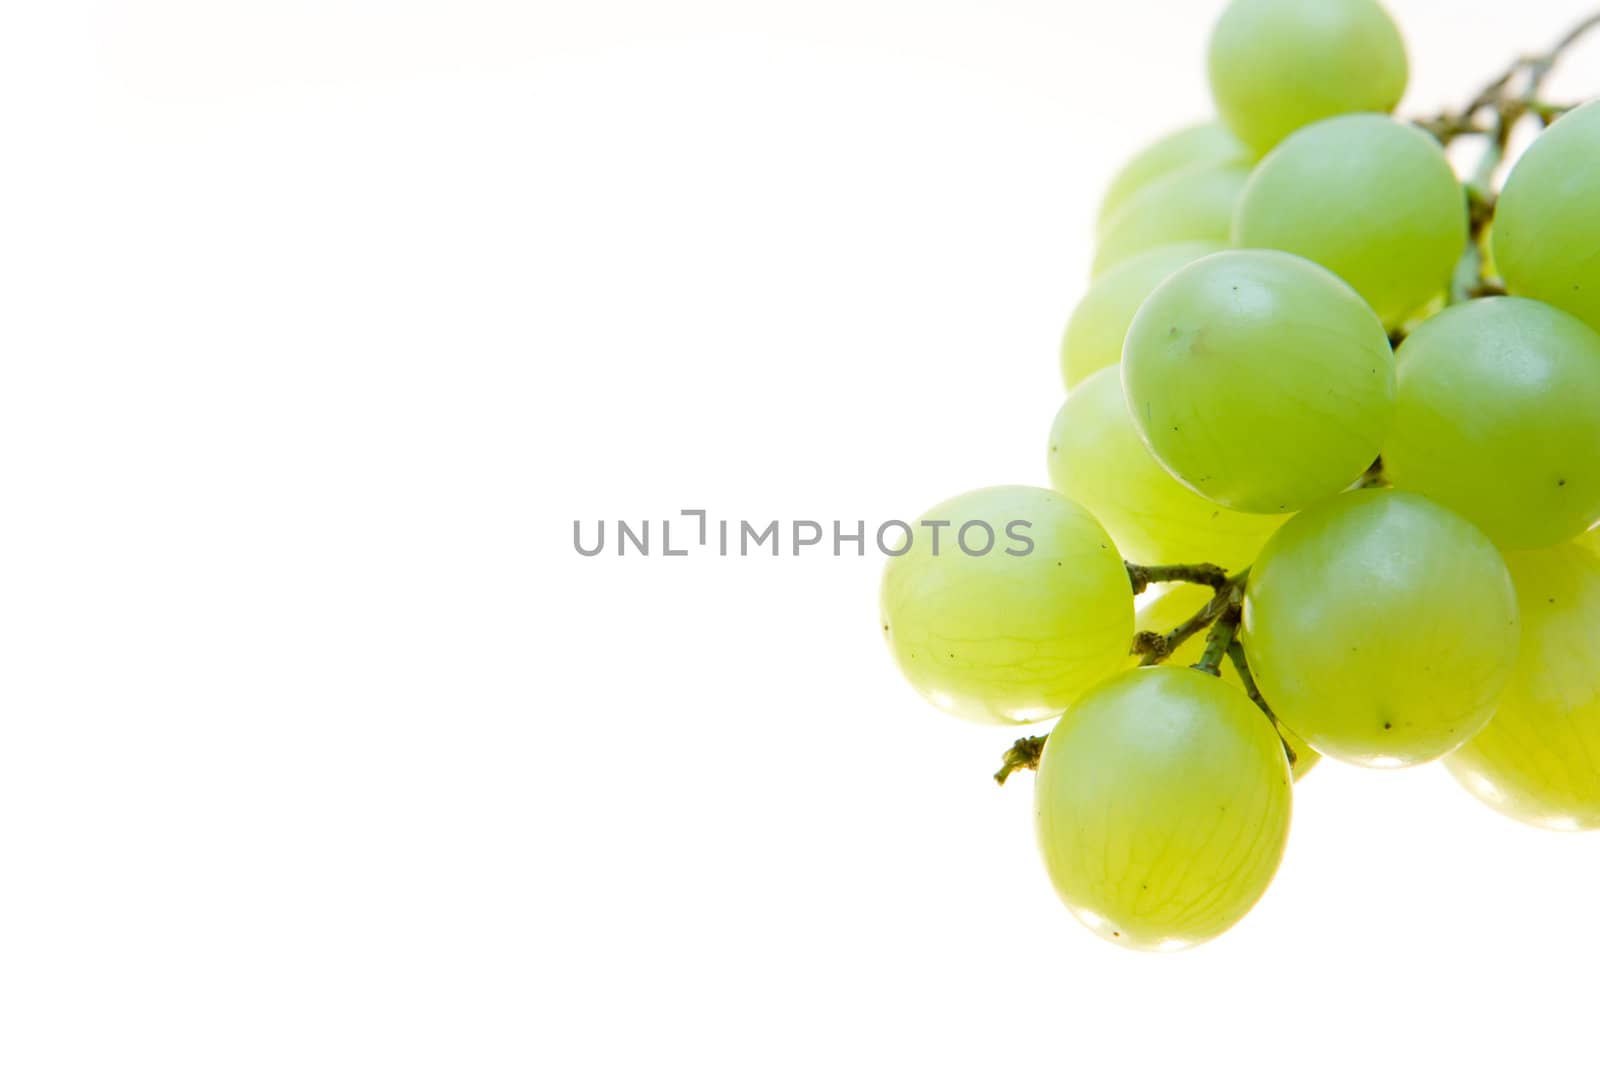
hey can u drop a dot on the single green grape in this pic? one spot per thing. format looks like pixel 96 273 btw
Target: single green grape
pixel 1546 237
pixel 1162 807
pixel 1381 627
pixel 1278 65
pixel 1097 458
pixel 1498 418
pixel 1015 633
pixel 1099 323
pixel 1206 142
pixel 1260 380
pixel 1175 605
pixel 1194 203
pixel 1371 199
pixel 1538 760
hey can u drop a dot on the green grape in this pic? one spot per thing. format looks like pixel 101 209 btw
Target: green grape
pixel 1192 204
pixel 1162 807
pixel 1208 142
pixel 1100 321
pixel 1371 199
pixel 1260 380
pixel 1498 418
pixel 1278 65
pixel 1381 627
pixel 1016 633
pixel 1538 760
pixel 1097 458
pixel 1546 235
pixel 1175 605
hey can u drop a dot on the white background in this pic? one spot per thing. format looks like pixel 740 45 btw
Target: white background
pixel 322 321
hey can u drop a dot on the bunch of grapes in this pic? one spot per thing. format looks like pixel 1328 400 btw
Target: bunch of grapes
pixel 1343 405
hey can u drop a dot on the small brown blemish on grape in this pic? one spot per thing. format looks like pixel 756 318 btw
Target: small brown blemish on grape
pixel 1561 483
pixel 1388 726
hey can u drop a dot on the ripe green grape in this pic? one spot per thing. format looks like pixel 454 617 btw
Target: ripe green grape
pixel 1538 760
pixel 1194 203
pixel 1162 807
pixel 1381 627
pixel 1371 199
pixel 1011 635
pixel 1100 321
pixel 1278 65
pixel 1260 380
pixel 1175 605
pixel 1547 221
pixel 1207 142
pixel 1499 419
pixel 1097 458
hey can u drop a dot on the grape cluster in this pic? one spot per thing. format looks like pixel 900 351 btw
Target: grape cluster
pixel 1343 405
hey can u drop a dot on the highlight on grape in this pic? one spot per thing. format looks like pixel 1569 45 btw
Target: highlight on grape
pixel 1332 436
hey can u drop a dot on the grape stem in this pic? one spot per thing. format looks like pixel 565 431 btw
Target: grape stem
pixel 1507 100
pixel 1152 648
pixel 1241 663
pixel 1142 576
pixel 1221 637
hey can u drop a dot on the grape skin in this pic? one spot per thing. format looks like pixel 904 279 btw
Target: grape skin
pixel 1097 458
pixel 1162 807
pixel 1194 203
pixel 1371 199
pixel 1538 760
pixel 1381 627
pixel 1499 419
pixel 1000 638
pixel 1546 236
pixel 1259 380
pixel 1278 65
pixel 1095 332
pixel 1178 603
pixel 1206 142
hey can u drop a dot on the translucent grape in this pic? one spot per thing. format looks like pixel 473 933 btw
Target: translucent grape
pixel 1208 142
pixel 1260 380
pixel 1547 222
pixel 1192 204
pixel 1100 321
pixel 1003 637
pixel 1371 199
pixel 1499 419
pixel 1381 627
pixel 1162 807
pixel 1174 605
pixel 1538 760
pixel 1278 65
pixel 1097 458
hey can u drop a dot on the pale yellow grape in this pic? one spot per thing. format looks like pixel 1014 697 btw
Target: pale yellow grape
pixel 1259 379
pixel 1099 323
pixel 1015 634
pixel 1381 627
pixel 1547 221
pixel 1206 142
pixel 1176 604
pixel 1499 419
pixel 1371 199
pixel 1278 65
pixel 1162 807
pixel 1097 458
pixel 1538 760
pixel 1192 204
